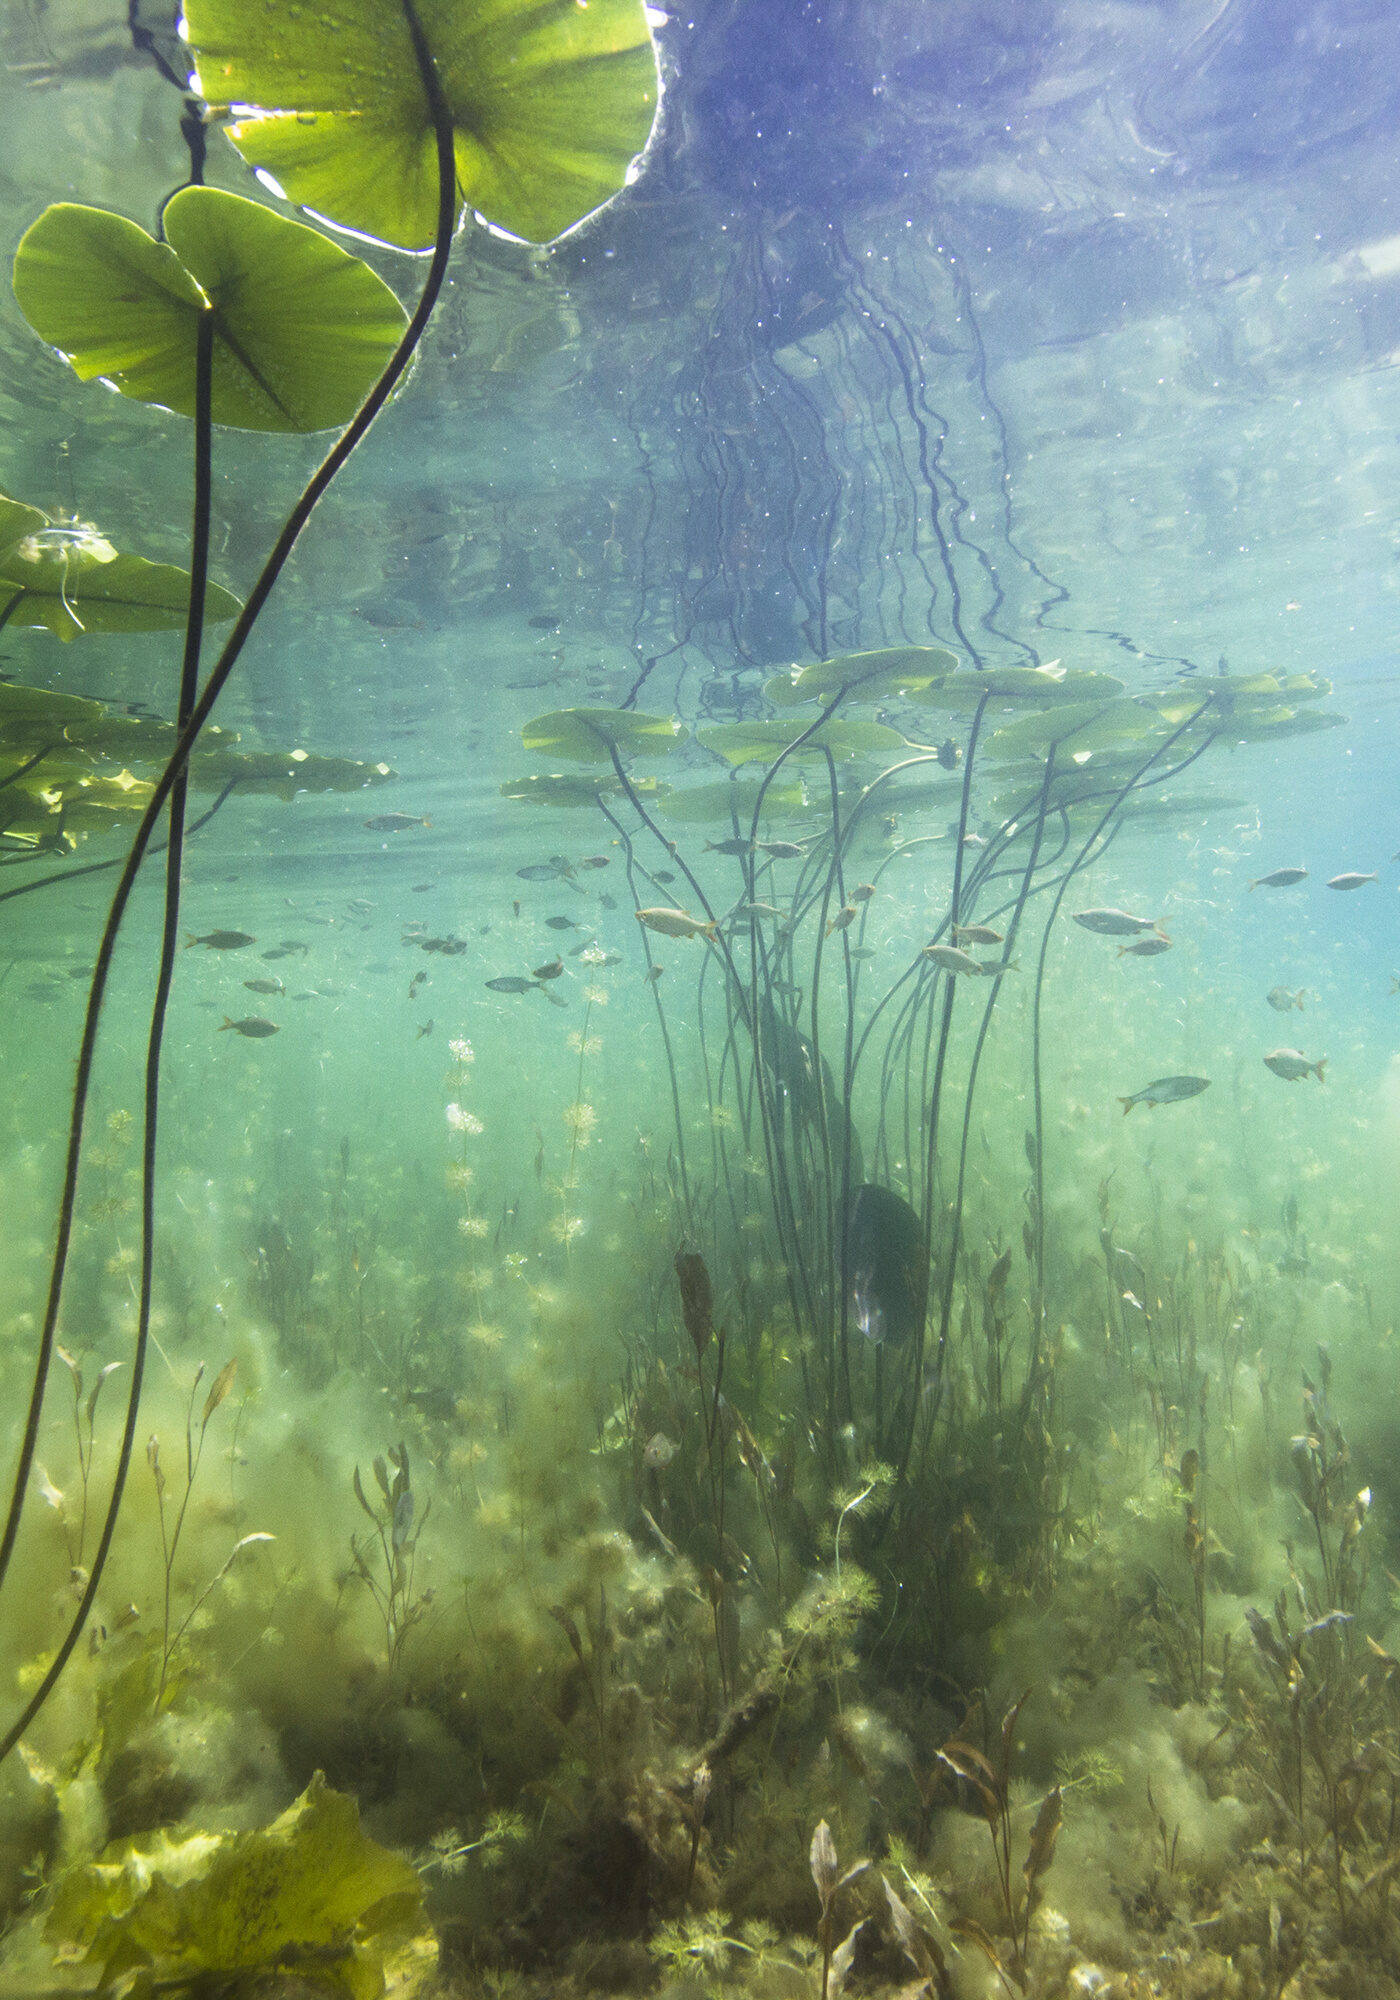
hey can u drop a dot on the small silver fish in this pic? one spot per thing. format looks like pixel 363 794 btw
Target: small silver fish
pixel 977 934
pixel 222 940
pixel 1280 999
pixel 1166 1090
pixel 254 1027
pixel 738 845
pixel 1115 923
pixel 1146 947
pixel 1281 878
pixel 782 850
pixel 394 822
pixel 264 986
pixel 675 923
pixel 1292 1065
pixel 1351 881
pixel 950 959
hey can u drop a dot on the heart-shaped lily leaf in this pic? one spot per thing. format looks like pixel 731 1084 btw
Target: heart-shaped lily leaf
pixel 711 805
pixel 1015 687
pixel 571 790
pixel 551 101
pixel 68 584
pixel 590 735
pixel 891 670
pixel 302 330
pixel 762 742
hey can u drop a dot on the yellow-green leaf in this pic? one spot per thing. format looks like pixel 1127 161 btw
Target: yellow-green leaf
pixel 301 328
pixel 551 100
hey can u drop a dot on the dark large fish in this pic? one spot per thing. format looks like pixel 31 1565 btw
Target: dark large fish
pixel 886 1265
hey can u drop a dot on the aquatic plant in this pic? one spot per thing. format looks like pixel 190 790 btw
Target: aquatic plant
pixel 172 1529
pixel 396 1534
pixel 237 299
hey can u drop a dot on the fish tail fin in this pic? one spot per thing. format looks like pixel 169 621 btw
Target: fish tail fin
pixel 191 940
pixel 1298 1003
pixel 710 931
pixel 427 822
pixel 1161 933
pixel 1319 1067
pixel 1253 886
pixel 1127 1104
pixel 229 1022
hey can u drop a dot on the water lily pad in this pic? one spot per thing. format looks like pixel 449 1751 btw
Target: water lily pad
pixel 67 591
pixel 571 790
pixel 550 105
pixel 711 805
pixel 760 742
pixel 1078 729
pixel 589 735
pixel 301 328
pixel 875 676
pixel 1014 687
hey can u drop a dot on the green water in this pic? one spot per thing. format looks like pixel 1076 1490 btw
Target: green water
pixel 518 1447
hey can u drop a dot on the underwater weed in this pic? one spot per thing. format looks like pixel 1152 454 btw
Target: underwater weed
pixel 826 1874
pixel 170 1532
pixel 397 1535
pixel 990 1784
pixel 84 1418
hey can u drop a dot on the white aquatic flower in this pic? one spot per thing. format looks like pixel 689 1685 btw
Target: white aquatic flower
pixel 459 1119
pixel 462 1050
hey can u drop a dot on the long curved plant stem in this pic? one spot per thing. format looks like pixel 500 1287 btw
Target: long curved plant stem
pixel 164 790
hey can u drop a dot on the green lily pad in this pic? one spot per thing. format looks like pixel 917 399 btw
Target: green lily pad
pixel 874 676
pixel 760 742
pixel 551 101
pixel 589 735
pixel 17 521
pixel 301 328
pixel 1014 687
pixel 60 585
pixel 570 789
pixel 282 773
pixel 711 805
pixel 1078 729
pixel 312 1894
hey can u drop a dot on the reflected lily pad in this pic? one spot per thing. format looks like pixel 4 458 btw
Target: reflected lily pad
pixel 589 735
pixel 760 742
pixel 874 676
pixel 1012 687
pixel 570 789
pixel 302 329
pixel 282 773
pixel 709 805
pixel 550 104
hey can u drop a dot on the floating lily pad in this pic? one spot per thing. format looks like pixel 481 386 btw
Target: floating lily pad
pixel 17 521
pixel 760 742
pixel 282 773
pixel 550 105
pixel 709 805
pixel 1078 729
pixel 892 670
pixel 1014 687
pixel 67 589
pixel 570 789
pixel 302 329
pixel 589 735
